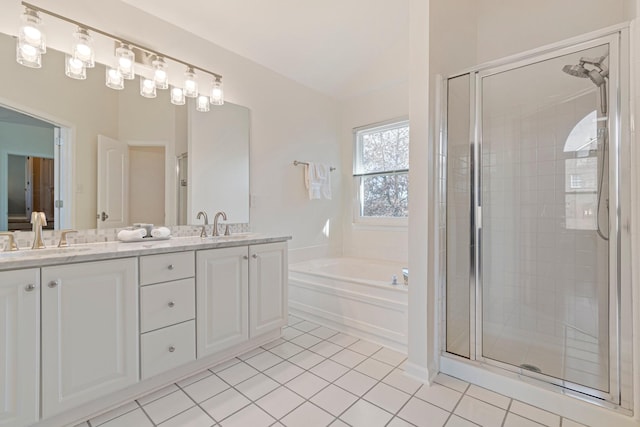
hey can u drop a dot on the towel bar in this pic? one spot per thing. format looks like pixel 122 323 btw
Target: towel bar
pixel 296 163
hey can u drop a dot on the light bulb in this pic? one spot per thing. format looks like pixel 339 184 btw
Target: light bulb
pixel 177 96
pixel 114 79
pixel 147 87
pixel 160 73
pixel 202 103
pixel 28 55
pixel 75 68
pixel 217 93
pixel 190 84
pixel 82 48
pixel 125 60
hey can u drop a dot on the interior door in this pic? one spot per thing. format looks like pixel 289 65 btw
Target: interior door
pixel 113 183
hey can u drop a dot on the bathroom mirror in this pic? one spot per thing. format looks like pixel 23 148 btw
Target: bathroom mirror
pixel 179 160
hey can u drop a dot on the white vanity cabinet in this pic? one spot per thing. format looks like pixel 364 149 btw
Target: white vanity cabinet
pixel 268 284
pixel 222 286
pixel 167 311
pixel 89 332
pixel 20 349
pixel 242 294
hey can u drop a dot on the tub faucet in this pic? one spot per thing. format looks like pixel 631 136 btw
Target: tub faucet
pixel 203 232
pixel 38 219
pixel 215 224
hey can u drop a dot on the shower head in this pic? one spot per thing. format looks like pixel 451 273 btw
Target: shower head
pixel 576 71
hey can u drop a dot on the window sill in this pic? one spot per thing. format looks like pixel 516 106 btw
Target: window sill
pixel 381 224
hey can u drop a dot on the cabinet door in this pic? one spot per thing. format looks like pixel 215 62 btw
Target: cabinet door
pixel 89 332
pixel 20 349
pixel 268 282
pixel 222 293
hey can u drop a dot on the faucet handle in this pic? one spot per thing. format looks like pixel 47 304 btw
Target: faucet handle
pixel 63 238
pixel 11 244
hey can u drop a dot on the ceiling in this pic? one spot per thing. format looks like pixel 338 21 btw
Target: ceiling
pixel 320 44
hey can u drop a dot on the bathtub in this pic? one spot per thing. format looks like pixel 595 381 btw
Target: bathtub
pixel 352 295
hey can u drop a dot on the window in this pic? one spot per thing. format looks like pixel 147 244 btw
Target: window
pixel 381 173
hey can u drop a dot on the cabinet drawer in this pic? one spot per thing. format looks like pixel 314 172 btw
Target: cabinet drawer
pixel 168 348
pixel 166 304
pixel 166 267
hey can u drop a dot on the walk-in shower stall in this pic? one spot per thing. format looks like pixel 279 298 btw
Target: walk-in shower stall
pixel 537 218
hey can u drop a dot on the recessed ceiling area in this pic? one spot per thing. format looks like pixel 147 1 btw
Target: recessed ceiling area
pixel 322 45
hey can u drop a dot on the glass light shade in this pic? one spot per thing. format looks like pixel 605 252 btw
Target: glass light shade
pixel 82 48
pixel 30 32
pixel 114 79
pixel 202 103
pixel 125 60
pixel 160 75
pixel 177 96
pixel 75 68
pixel 190 84
pixel 147 87
pixel 217 93
pixel 28 55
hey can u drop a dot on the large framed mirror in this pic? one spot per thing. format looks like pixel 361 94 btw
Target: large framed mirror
pixel 175 161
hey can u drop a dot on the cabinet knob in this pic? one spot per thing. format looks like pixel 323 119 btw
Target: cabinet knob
pixel 172 349
pixel 170 267
pixel 254 256
pixel 30 287
pixel 171 304
pixel 245 257
pixel 54 283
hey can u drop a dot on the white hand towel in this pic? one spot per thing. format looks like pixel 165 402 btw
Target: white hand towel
pixel 324 176
pixel 311 181
pixel 160 232
pixel 129 235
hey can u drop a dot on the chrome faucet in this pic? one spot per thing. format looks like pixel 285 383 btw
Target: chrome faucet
pixel 38 219
pixel 11 244
pixel 215 224
pixel 203 232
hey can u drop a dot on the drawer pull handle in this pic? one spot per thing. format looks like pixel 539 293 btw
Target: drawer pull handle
pixel 54 283
pixel 170 267
pixel 171 304
pixel 172 349
pixel 30 287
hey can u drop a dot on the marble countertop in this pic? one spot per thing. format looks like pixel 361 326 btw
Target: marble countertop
pixel 110 250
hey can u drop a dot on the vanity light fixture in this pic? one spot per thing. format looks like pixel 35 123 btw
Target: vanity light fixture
pixel 147 87
pixel 74 68
pixel 177 96
pixel 31 42
pixel 82 48
pixel 160 76
pixel 114 79
pixel 30 31
pixel 31 45
pixel 125 60
pixel 190 83
pixel 217 92
pixel 202 103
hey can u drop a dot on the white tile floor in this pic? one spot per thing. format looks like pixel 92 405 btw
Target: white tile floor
pixel 315 376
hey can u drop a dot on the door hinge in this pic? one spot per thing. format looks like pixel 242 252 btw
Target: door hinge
pixel 59 203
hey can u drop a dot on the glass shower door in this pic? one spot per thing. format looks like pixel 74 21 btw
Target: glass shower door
pixel 545 225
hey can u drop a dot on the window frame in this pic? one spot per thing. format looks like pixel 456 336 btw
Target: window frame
pixel 372 221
